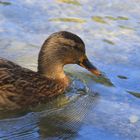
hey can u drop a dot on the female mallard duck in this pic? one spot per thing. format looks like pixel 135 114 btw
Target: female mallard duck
pixel 23 87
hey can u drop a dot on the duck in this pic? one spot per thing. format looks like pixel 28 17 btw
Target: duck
pixel 20 87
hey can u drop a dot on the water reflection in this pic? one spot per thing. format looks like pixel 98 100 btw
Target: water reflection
pixel 136 94
pixel 109 41
pixel 105 19
pixel 75 2
pixel 126 27
pixel 89 78
pixel 66 123
pixel 117 18
pixel 78 20
pixel 5 3
pixel 99 19
pixel 122 77
pixel 20 128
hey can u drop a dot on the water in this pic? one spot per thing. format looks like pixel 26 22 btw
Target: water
pixel 95 108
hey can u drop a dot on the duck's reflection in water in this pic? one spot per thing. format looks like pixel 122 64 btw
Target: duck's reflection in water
pixel 67 122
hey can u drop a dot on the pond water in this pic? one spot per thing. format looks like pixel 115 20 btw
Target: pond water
pixel 105 108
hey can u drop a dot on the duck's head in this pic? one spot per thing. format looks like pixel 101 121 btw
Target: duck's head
pixel 63 48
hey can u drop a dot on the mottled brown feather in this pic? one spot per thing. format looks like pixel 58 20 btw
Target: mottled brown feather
pixel 22 87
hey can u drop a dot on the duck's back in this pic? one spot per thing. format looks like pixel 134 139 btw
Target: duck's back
pixel 20 86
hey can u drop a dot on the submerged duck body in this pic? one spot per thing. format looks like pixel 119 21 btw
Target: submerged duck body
pixel 20 87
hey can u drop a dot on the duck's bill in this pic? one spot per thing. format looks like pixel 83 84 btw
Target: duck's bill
pixel 88 65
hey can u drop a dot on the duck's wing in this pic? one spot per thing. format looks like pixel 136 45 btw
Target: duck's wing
pixel 7 80
pixel 17 84
pixel 7 71
pixel 21 86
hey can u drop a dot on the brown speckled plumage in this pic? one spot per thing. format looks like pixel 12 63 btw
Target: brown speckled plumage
pixel 20 87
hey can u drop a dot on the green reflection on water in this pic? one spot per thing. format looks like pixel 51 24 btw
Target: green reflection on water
pixel 102 20
pixel 99 19
pixel 122 18
pixel 108 41
pixel 136 94
pixel 126 27
pixel 122 77
pixel 103 80
pixel 5 3
pixel 117 18
pixel 111 18
pixel 78 20
pixel 74 2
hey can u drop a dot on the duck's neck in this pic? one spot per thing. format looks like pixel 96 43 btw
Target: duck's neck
pixel 53 70
pixel 49 63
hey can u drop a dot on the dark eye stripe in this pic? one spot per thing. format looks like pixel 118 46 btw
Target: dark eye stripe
pixel 77 48
pixel 73 47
